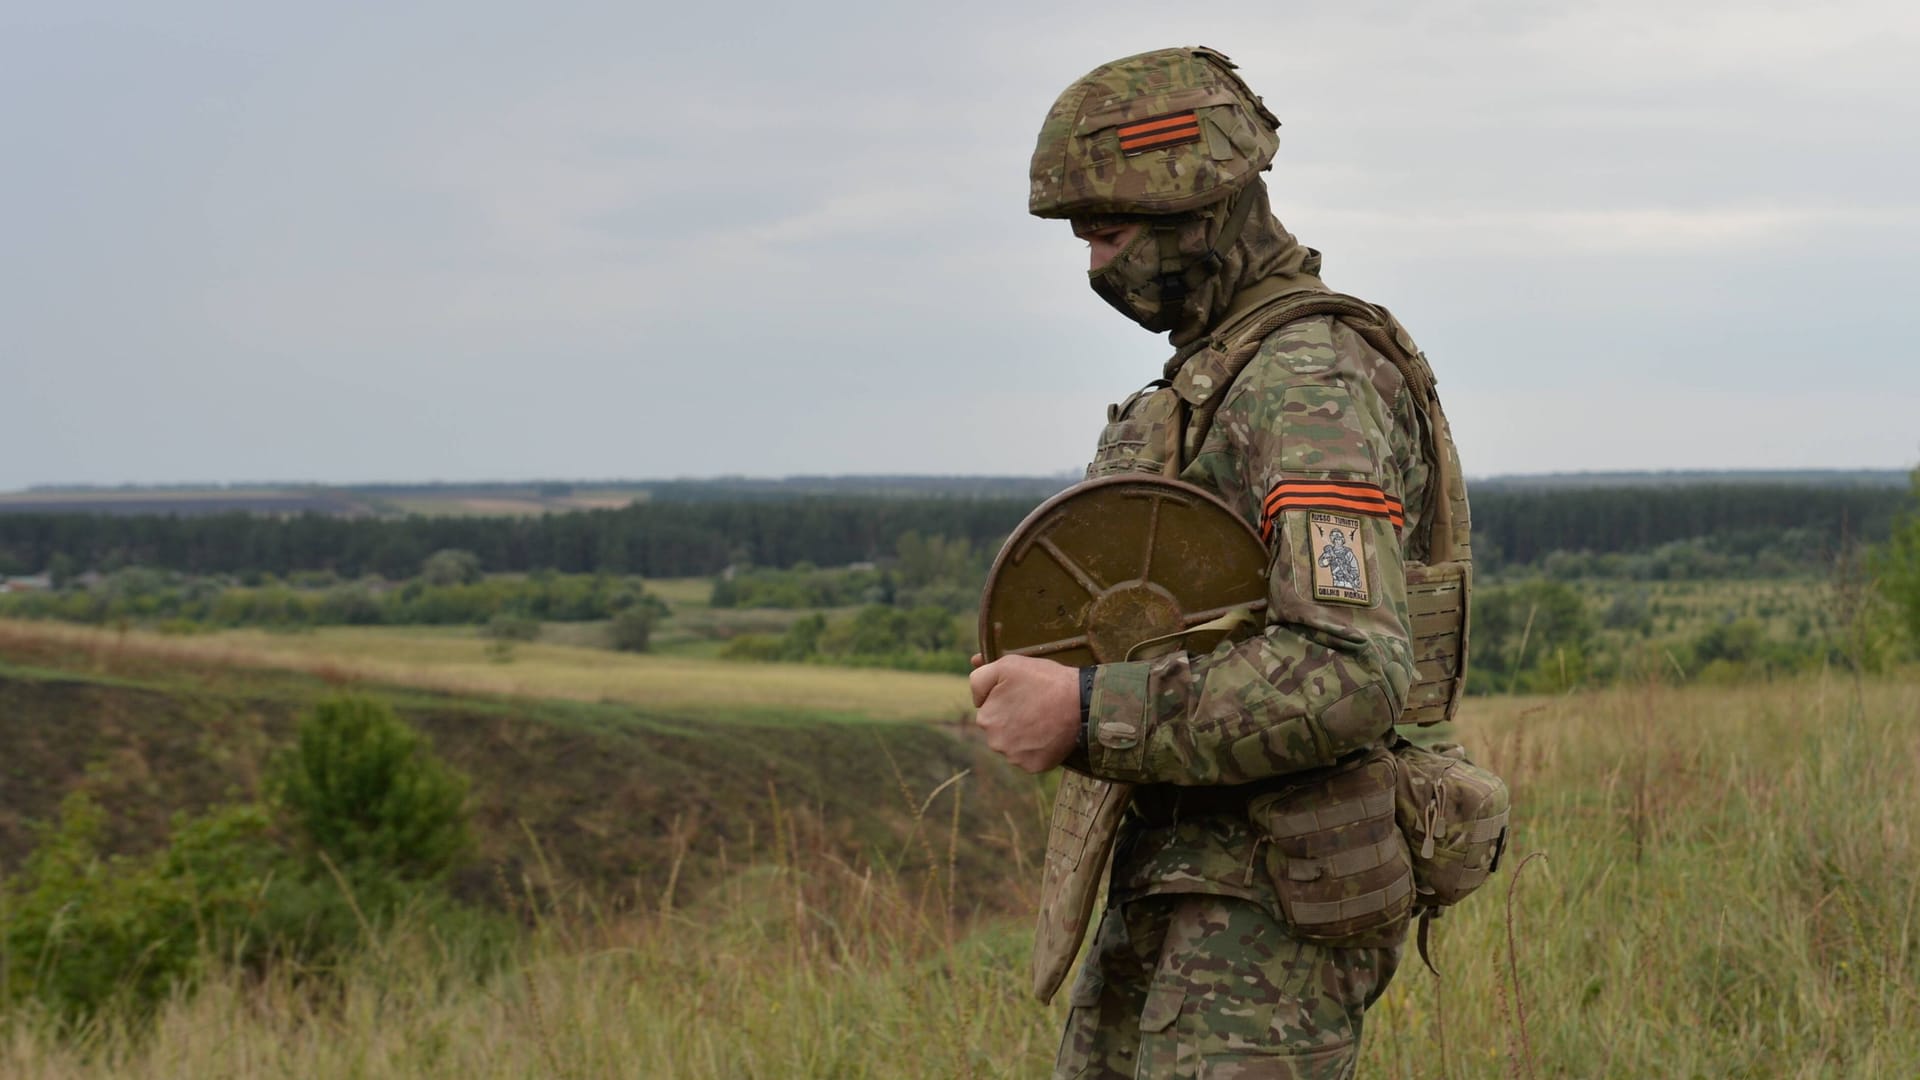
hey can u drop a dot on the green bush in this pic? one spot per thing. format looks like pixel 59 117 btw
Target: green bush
pixel 450 566
pixel 922 639
pixel 761 647
pixel 1531 635
pixel 1896 566
pixel 83 932
pixel 632 630
pixel 365 793
pixel 510 628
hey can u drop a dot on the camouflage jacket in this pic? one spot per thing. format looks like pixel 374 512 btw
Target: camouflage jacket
pixel 1317 443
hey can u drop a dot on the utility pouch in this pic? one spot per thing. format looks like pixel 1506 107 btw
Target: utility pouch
pixel 1334 852
pixel 1454 816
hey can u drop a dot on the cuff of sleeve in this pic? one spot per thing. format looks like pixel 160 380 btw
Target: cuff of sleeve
pixel 1117 718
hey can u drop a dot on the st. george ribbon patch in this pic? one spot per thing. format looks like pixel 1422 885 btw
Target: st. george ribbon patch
pixel 1159 133
pixel 1339 553
pixel 1358 496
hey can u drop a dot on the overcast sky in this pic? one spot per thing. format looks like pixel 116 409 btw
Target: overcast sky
pixel 356 242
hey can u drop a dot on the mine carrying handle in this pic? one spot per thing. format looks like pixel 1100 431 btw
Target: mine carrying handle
pixel 1231 621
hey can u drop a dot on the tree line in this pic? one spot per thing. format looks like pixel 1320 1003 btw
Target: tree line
pixel 1523 527
pixel 693 538
pixel 668 539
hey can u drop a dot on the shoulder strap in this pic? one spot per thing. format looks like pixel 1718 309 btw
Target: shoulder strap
pixel 1442 541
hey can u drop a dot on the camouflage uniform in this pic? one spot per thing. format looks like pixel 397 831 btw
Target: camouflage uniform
pixel 1194 968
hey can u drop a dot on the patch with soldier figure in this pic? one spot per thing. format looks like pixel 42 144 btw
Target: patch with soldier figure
pixel 1336 540
pixel 1339 551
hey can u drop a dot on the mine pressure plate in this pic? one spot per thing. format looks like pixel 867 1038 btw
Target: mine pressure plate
pixel 1124 568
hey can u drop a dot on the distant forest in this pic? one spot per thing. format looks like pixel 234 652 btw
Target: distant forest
pixel 1523 526
pixel 699 536
pixel 663 539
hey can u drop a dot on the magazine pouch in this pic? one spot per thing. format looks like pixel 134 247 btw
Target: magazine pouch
pixel 1336 857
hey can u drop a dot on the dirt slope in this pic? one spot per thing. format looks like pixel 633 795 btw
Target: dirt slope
pixel 612 797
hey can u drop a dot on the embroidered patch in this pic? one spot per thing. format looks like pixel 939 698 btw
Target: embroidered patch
pixel 1346 495
pixel 1339 551
pixel 1159 133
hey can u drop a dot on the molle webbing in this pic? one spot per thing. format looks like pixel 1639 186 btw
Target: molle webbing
pixel 1336 857
pixel 1437 605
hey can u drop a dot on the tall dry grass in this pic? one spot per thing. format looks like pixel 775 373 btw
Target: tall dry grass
pixel 1729 889
pixel 797 965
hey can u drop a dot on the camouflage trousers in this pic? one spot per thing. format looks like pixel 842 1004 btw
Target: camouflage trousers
pixel 1195 985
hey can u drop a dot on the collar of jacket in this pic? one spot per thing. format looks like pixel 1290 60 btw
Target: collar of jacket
pixel 1197 370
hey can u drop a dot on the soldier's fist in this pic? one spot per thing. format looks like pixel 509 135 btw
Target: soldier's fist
pixel 1029 710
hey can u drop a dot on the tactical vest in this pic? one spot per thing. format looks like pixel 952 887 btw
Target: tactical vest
pixel 1162 427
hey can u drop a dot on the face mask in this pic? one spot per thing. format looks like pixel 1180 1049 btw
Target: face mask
pixel 1151 279
pixel 1131 283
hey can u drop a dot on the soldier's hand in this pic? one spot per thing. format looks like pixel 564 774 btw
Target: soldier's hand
pixel 1029 709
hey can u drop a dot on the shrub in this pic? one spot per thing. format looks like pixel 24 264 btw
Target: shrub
pixel 83 932
pixel 632 630
pixel 365 792
pixel 1896 566
pixel 1539 628
pixel 450 566
pixel 505 627
pixel 765 647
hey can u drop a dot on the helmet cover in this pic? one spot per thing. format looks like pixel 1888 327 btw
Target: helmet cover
pixel 1161 132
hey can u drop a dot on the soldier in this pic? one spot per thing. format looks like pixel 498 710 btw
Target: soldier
pixel 1212 958
pixel 1338 558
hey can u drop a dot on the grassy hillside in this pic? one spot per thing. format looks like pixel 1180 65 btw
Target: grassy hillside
pixel 612 795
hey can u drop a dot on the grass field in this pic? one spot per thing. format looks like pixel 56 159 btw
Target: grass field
pixel 460 662
pixel 1728 886
pixel 683 594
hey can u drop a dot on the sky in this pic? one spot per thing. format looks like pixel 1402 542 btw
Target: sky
pixel 354 242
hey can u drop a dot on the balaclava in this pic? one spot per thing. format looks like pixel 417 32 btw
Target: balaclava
pixel 1182 273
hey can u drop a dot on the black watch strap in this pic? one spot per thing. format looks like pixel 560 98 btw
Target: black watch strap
pixel 1086 705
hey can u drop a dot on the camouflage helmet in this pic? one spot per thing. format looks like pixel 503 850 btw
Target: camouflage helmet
pixel 1163 132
